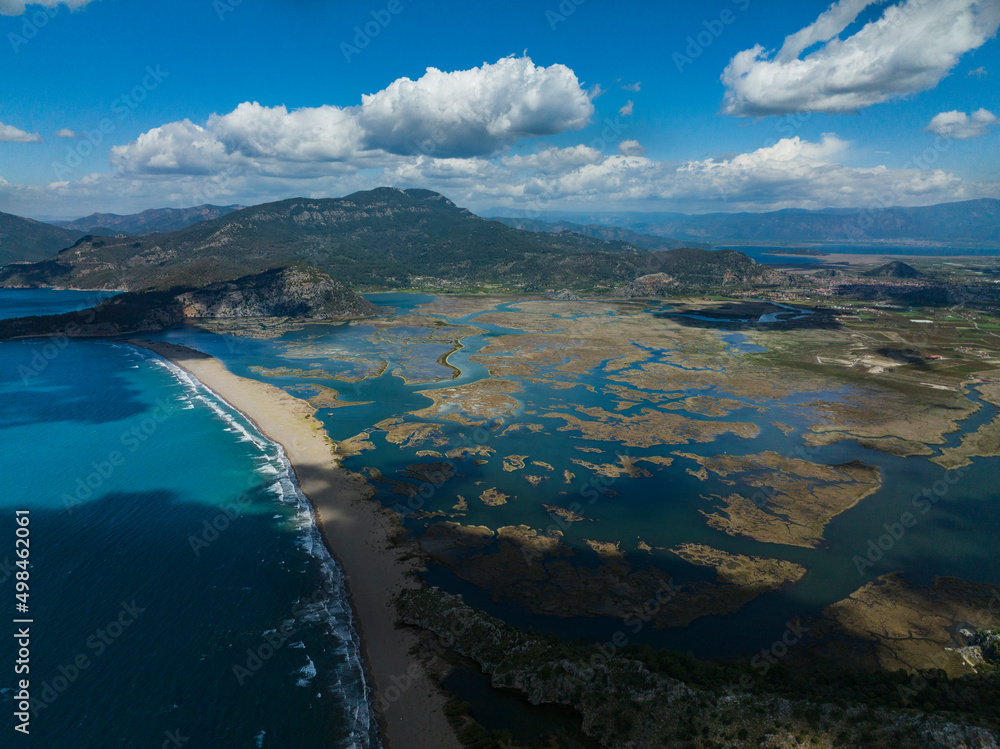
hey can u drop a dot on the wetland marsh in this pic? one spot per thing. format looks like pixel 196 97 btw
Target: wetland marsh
pixel 563 463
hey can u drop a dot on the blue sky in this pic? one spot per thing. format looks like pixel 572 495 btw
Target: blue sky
pixel 735 104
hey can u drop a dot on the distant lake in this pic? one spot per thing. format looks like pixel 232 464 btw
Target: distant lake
pixel 760 252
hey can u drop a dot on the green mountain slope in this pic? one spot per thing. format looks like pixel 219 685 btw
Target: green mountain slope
pixel 384 237
pixel 690 268
pixel 22 239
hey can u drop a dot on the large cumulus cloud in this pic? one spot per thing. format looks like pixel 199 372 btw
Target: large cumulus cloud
pixel 908 49
pixel 460 114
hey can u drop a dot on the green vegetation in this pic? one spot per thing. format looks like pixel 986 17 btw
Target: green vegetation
pixel 384 238
pixel 893 269
pixel 638 696
pixel 23 240
pixel 296 291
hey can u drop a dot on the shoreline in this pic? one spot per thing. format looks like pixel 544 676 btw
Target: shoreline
pixel 356 532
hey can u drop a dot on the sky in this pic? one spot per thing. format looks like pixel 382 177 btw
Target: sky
pixel 720 105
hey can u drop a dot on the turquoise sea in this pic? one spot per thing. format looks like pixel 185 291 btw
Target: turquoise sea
pixel 179 588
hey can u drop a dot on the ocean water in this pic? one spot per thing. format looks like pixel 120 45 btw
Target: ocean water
pixel 179 588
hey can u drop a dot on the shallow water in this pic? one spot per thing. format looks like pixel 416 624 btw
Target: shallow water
pixel 955 538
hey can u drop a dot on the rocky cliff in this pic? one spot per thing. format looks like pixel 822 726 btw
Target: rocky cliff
pixel 297 292
pixel 294 291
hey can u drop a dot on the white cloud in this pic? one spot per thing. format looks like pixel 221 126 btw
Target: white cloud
pixel 465 113
pixel 17 7
pixel 64 133
pixel 792 173
pixel 960 126
pixel 632 86
pixel 631 148
pixel 830 23
pixel 554 160
pixel 910 48
pixel 626 111
pixel 474 112
pixel 11 134
pixel 979 72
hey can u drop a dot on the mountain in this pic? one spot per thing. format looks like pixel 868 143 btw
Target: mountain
pixel 690 268
pixel 296 291
pixel 147 222
pixel 22 239
pixel 600 231
pixel 894 269
pixel 970 223
pixel 383 237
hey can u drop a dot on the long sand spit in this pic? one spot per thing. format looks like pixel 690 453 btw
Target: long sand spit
pixel 358 533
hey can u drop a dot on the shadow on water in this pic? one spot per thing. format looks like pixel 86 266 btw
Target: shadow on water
pixel 498 709
pixel 750 315
pixel 131 652
pixel 35 387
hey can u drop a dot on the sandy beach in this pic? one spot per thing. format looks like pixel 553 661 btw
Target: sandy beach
pixel 357 532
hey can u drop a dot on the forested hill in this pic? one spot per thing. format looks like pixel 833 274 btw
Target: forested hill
pixel 379 238
pixel 25 240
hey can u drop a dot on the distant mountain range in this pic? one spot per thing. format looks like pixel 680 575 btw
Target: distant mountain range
pixel 379 241
pixel 22 239
pixel 972 223
pixel 383 238
pixel 600 231
pixel 147 222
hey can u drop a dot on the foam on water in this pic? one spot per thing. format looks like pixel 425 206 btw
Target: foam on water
pixel 329 606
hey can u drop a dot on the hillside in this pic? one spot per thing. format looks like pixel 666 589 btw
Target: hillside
pixel 381 238
pixel 22 239
pixel 295 291
pixel 894 269
pixel 690 268
pixel 147 222
pixel 600 231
